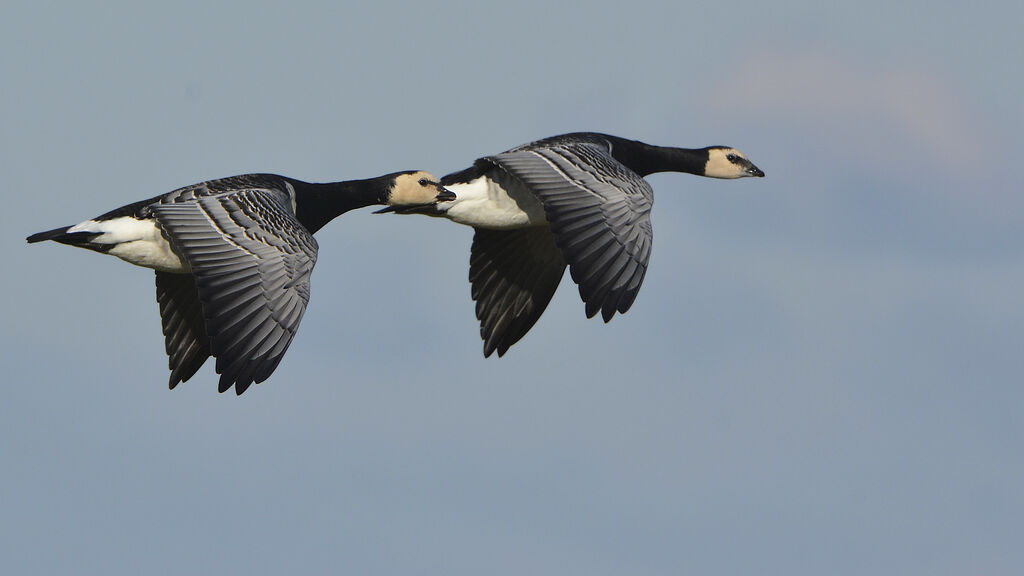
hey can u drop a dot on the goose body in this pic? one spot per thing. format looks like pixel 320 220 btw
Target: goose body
pixel 135 240
pixel 233 259
pixel 578 200
pixel 496 202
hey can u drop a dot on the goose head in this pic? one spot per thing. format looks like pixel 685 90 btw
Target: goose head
pixel 415 191
pixel 725 162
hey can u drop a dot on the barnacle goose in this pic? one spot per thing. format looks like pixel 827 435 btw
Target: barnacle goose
pixel 233 258
pixel 576 199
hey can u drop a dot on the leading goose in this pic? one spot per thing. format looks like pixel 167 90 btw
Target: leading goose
pixel 233 258
pixel 578 199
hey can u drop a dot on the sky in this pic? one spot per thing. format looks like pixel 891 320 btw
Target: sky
pixel 820 375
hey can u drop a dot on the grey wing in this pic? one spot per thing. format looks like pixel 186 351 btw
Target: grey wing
pixel 184 328
pixel 514 274
pixel 251 260
pixel 599 211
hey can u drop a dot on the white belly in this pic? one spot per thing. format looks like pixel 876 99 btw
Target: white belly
pixel 137 241
pixel 483 203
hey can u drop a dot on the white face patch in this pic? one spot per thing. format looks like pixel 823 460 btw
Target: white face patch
pixel 412 189
pixel 719 165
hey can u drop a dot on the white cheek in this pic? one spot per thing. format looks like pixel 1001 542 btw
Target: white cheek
pixel 719 167
pixel 414 195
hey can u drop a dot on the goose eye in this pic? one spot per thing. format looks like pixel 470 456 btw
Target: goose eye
pixel 732 158
pixel 424 182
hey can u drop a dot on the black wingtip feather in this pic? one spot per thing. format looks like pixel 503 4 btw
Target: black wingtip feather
pixel 607 313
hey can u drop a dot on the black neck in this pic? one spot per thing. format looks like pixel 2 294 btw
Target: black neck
pixel 318 204
pixel 646 159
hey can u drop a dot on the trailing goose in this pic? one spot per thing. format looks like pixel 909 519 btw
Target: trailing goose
pixel 233 258
pixel 578 199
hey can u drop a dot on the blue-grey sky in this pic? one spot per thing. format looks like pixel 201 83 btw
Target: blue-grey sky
pixel 821 374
